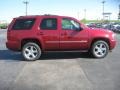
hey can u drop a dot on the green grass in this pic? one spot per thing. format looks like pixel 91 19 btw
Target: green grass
pixel 98 21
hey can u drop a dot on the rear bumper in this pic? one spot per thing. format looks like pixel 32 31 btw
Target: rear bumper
pixel 13 45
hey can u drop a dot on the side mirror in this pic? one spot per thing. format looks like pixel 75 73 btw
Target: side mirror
pixel 79 29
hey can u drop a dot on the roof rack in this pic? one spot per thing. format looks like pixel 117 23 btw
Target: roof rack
pixel 50 15
pixel 28 15
pixel 47 14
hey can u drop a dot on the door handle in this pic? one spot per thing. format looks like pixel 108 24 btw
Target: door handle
pixel 64 34
pixel 40 33
pixel 69 36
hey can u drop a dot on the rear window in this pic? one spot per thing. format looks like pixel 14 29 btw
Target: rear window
pixel 21 24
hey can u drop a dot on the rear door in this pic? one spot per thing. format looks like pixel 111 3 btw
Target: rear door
pixel 49 33
pixel 71 37
pixel 19 29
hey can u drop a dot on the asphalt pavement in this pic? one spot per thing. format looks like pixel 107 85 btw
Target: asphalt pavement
pixel 59 71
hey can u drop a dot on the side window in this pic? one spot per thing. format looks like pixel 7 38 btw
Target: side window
pixel 21 24
pixel 49 24
pixel 69 24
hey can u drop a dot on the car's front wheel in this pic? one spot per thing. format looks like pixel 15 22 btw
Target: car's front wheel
pixel 100 49
pixel 31 51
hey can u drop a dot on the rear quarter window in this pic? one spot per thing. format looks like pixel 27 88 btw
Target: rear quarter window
pixel 21 24
pixel 48 24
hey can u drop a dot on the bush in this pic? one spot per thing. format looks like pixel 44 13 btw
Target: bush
pixel 3 26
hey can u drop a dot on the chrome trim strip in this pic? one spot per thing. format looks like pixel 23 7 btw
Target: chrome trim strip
pixel 52 41
pixel 82 41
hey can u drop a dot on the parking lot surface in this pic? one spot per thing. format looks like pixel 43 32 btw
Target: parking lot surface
pixel 59 71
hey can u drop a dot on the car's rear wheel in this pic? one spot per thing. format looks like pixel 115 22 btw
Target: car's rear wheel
pixel 31 51
pixel 100 49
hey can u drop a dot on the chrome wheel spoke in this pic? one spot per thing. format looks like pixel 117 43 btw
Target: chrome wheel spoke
pixel 103 49
pixel 101 45
pixel 28 55
pixel 97 47
pixel 27 51
pixel 101 53
pixel 33 55
pixel 34 50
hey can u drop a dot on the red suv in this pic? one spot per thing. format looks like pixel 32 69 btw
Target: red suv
pixel 33 35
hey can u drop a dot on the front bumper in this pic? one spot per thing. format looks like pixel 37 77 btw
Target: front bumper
pixel 112 44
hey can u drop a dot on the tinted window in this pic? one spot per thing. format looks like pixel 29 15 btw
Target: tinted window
pixel 23 24
pixel 69 24
pixel 49 24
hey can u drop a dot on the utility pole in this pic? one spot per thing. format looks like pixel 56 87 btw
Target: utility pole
pixel 119 13
pixel 26 4
pixel 78 15
pixel 84 13
pixel 103 2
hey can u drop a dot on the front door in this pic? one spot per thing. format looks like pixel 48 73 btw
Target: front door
pixel 71 37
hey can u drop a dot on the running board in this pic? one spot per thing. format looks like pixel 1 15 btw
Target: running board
pixel 69 51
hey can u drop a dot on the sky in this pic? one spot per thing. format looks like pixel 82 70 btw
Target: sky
pixel 74 8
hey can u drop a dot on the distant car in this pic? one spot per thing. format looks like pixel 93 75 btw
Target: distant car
pixel 108 26
pixel 116 27
pixel 34 35
pixel 92 25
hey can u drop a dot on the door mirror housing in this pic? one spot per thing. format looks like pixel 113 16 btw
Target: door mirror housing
pixel 79 29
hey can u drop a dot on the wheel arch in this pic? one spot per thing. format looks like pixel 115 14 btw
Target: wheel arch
pixel 102 39
pixel 35 40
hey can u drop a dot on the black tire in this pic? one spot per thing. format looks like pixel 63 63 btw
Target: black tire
pixel 99 49
pixel 31 51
